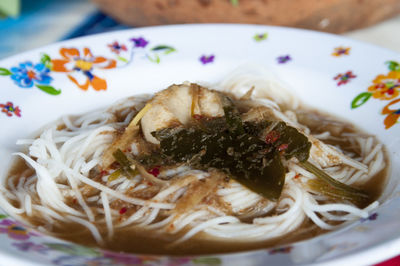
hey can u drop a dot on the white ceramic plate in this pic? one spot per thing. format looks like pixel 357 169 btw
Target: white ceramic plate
pixel 350 79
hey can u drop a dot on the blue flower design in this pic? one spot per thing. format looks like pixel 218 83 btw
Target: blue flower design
pixel 27 74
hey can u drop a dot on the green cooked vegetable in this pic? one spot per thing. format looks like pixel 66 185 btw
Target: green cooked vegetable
pixel 249 152
pixel 319 185
pixel 244 157
pixel 115 175
pixel 333 188
pixel 235 148
pixel 125 164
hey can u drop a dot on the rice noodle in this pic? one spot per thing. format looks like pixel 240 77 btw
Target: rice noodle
pixel 63 159
pixel 107 214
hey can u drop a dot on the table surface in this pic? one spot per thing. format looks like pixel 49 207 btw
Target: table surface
pixel 68 18
pixel 64 19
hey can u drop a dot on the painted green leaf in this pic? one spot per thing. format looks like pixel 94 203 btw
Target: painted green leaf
pixel 169 51
pixel 260 37
pixel 207 261
pixel 76 250
pixel 393 65
pixel 163 48
pixel 360 99
pixel 2 216
pixel 45 59
pixel 156 58
pixel 49 89
pixel 123 59
pixel 5 72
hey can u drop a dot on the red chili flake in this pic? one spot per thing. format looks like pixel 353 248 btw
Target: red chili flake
pixel 272 137
pixel 197 117
pixel 129 149
pixel 149 184
pixel 297 176
pixel 283 147
pixel 123 210
pixel 154 171
pixel 103 173
pixel 74 201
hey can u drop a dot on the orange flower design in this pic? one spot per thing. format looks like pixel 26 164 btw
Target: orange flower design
pixel 392 114
pixel 386 87
pixel 339 51
pixel 80 67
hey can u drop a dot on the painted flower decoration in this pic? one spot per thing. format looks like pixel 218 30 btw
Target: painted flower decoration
pixel 260 37
pixel 116 47
pixel 30 246
pixel 80 66
pixel 344 78
pixel 15 230
pixel 386 87
pixel 139 42
pixel 283 59
pixel 9 109
pixel 128 259
pixel 392 115
pixel 28 74
pixel 339 51
pixel 206 59
pixel 82 260
pixel 140 48
pixel 108 258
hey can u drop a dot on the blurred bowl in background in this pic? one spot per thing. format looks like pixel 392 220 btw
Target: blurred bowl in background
pixel 329 15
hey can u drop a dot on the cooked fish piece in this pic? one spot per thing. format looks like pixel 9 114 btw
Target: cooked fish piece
pixel 176 105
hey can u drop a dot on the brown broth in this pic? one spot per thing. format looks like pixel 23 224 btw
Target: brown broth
pixel 375 186
pixel 137 240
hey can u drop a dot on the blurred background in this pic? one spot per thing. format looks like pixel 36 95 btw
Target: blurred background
pixel 27 24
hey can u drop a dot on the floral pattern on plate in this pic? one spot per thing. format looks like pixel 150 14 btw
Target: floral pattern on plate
pixel 28 75
pixel 15 230
pixel 207 59
pixel 260 37
pixel 125 53
pixel 340 51
pixel 344 78
pixel 283 59
pixel 9 109
pixel 385 87
pixel 80 65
